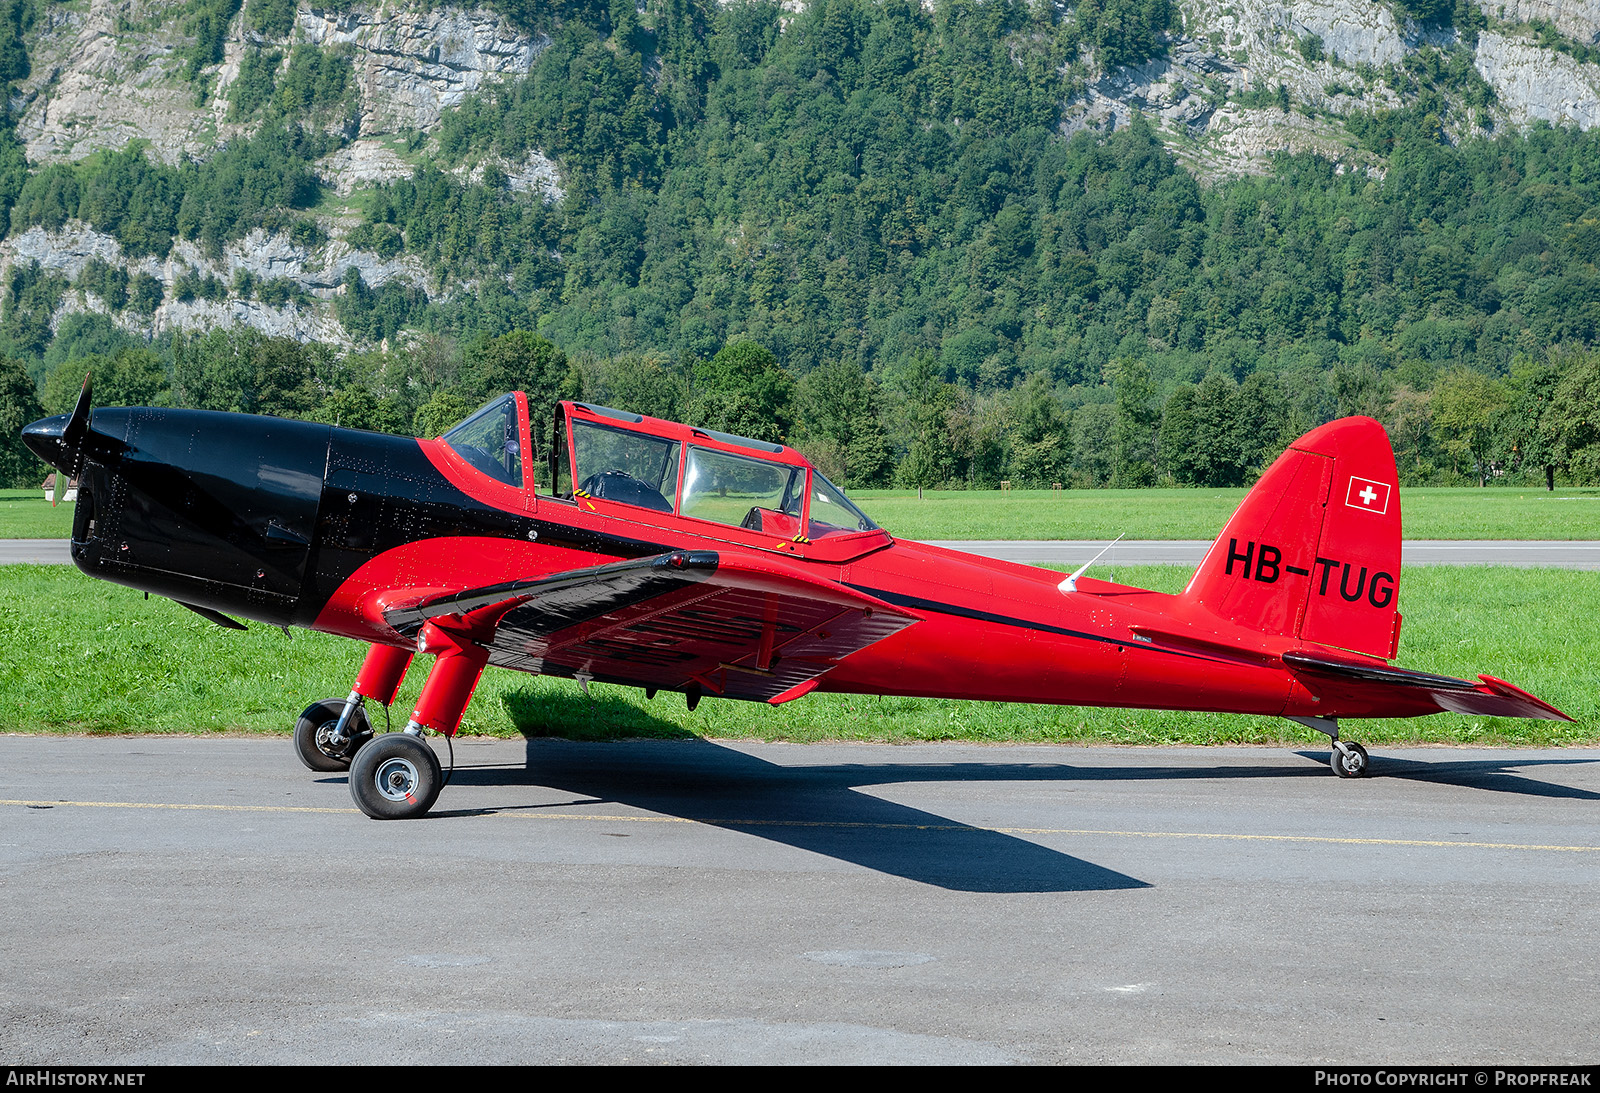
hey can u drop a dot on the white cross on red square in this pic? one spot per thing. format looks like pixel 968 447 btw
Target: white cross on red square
pixel 1367 495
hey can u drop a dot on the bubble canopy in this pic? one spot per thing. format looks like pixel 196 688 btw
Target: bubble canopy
pixel 729 487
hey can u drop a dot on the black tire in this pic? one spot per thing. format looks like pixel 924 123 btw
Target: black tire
pixel 1350 764
pixel 396 777
pixel 311 736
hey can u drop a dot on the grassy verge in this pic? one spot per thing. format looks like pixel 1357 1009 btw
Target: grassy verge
pixel 25 514
pixel 1200 514
pixel 86 656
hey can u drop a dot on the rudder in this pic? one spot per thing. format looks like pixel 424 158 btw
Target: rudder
pixel 1313 551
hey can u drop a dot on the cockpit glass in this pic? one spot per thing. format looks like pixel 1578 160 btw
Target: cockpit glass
pixel 832 513
pixel 749 493
pixel 619 465
pixel 491 441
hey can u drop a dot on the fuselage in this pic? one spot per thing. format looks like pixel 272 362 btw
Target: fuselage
pixel 300 524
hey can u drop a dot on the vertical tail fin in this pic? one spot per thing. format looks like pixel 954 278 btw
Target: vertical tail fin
pixel 1314 550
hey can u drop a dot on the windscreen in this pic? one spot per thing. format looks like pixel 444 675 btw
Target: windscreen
pixel 491 441
pixel 832 513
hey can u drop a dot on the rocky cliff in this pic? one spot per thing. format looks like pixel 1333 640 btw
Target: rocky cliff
pixel 1240 80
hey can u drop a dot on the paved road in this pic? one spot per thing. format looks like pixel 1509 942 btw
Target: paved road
pixel 1562 555
pixel 34 552
pixel 176 900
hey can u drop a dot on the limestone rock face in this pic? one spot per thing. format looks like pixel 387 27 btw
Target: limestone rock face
pixel 1534 84
pixel 107 72
pixel 1333 58
pixel 1577 19
pixel 318 272
pixel 113 73
pixel 65 252
pixel 413 65
pixel 93 86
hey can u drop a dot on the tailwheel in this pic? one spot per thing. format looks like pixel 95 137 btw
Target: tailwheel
pixel 316 741
pixel 1349 760
pixel 396 777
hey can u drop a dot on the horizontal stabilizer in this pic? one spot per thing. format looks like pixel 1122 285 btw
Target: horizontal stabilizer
pixel 1489 697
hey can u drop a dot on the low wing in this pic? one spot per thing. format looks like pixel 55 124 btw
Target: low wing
pixel 1489 697
pixel 740 627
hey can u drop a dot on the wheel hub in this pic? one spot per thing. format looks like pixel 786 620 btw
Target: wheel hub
pixel 326 743
pixel 397 779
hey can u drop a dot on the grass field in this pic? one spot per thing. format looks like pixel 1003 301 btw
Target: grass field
pixel 1092 514
pixel 1200 514
pixel 86 656
pixel 25 514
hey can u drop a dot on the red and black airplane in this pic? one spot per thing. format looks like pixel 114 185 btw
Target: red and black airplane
pixel 680 559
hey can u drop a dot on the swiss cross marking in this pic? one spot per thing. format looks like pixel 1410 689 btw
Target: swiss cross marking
pixel 1367 495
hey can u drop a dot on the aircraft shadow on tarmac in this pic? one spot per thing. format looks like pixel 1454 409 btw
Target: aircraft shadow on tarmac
pixel 815 808
pixel 1495 775
pixel 822 810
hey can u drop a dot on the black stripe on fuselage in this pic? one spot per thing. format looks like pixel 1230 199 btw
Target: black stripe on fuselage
pixel 920 604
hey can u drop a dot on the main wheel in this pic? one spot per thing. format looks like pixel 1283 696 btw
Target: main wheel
pixel 313 732
pixel 1350 762
pixel 395 777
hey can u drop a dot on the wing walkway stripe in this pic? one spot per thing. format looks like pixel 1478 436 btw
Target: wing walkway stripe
pixel 846 824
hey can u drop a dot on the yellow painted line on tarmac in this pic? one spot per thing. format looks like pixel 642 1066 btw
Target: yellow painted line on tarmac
pixel 1350 841
pixel 174 807
pixel 709 821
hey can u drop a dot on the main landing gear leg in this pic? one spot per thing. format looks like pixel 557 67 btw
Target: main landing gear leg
pixel 397 776
pixel 329 732
pixel 1348 759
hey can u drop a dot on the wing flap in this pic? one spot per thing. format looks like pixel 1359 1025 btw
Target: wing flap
pixel 741 627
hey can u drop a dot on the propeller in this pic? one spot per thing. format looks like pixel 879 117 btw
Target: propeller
pixel 71 442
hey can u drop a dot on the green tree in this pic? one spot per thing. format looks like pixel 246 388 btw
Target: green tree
pixel 1219 452
pixel 1094 443
pixel 1136 420
pixel 1175 444
pixel 1576 404
pixel 1041 438
pixel 839 425
pixel 641 384
pixel 246 371
pixel 743 390
pixel 19 406
pixel 31 296
pixel 931 458
pixel 1263 421
pixel 1466 416
pixel 127 377
pixel 442 412
pixel 357 407
pixel 1410 428
pixel 522 361
pixel 144 293
pixel 1532 426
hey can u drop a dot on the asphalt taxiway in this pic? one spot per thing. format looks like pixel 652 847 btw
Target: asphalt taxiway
pixel 181 899
pixel 1074 552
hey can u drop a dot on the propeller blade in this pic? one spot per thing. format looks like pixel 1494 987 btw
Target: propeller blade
pixel 72 443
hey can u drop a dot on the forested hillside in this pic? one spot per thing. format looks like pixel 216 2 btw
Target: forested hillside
pixel 881 231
